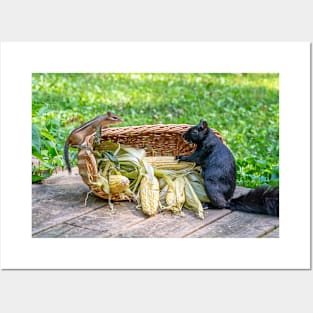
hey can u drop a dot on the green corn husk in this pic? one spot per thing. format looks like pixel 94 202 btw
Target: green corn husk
pixel 163 192
pixel 128 159
pixel 102 183
pixel 170 197
pixel 180 192
pixel 192 201
pixel 196 181
pixel 166 175
pixel 162 182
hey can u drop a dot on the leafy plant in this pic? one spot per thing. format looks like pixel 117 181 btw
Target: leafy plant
pixel 44 149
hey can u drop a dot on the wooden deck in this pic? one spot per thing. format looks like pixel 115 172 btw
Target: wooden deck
pixel 59 210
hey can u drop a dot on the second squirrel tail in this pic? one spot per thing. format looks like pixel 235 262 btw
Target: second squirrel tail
pixel 66 157
pixel 262 200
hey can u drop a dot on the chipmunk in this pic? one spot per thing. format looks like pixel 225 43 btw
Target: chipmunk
pixel 78 135
pixel 219 174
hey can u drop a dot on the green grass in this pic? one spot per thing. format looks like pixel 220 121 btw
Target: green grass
pixel 244 108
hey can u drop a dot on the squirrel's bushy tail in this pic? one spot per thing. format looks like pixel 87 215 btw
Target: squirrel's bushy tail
pixel 66 157
pixel 262 200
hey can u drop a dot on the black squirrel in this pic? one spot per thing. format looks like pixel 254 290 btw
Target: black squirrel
pixel 219 173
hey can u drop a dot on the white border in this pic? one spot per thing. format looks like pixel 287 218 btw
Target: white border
pixel 20 250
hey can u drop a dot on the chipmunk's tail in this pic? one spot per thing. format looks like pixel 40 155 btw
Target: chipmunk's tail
pixel 262 200
pixel 66 157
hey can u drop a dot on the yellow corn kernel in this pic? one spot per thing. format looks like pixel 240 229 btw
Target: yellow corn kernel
pixel 168 163
pixel 149 195
pixel 118 183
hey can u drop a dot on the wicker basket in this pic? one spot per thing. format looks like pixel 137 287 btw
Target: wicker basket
pixel 157 140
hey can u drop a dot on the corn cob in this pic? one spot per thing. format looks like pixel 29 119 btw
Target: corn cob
pixel 171 201
pixel 174 196
pixel 149 195
pixel 168 162
pixel 118 183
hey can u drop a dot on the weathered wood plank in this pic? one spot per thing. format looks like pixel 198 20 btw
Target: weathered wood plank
pixel 68 231
pixel 109 222
pixel 63 177
pixel 238 225
pixel 272 234
pixel 170 225
pixel 54 204
pixel 54 231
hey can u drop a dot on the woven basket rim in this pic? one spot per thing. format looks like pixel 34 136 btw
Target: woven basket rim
pixel 151 129
pixel 142 129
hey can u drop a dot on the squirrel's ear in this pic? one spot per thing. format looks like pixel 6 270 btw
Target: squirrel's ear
pixel 203 124
pixel 109 113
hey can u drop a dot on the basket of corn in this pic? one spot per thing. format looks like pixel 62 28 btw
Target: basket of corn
pixel 138 163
